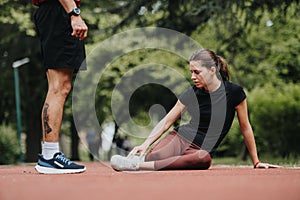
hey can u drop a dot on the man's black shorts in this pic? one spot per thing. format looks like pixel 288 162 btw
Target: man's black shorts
pixel 59 49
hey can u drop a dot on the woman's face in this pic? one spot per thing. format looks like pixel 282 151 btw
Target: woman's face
pixel 202 76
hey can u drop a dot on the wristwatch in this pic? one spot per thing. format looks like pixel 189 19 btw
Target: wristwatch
pixel 75 12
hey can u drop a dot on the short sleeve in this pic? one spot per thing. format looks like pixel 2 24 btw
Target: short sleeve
pixel 185 97
pixel 238 94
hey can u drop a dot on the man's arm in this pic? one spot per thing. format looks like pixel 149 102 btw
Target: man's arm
pixel 78 25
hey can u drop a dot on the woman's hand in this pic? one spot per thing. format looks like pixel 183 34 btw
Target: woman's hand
pixel 138 150
pixel 260 165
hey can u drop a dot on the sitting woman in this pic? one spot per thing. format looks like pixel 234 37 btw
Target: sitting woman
pixel 212 103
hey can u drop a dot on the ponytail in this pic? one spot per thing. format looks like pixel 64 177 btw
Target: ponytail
pixel 223 68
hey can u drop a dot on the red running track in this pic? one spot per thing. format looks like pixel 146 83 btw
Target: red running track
pixel 101 182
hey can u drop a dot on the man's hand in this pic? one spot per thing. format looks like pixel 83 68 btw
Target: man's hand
pixel 79 27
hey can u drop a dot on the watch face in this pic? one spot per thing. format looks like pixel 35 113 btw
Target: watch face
pixel 77 11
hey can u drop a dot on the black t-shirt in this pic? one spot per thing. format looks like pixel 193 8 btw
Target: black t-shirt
pixel 212 114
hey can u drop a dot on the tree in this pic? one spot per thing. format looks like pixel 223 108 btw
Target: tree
pixel 17 42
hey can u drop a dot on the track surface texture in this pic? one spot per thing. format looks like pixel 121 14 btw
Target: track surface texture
pixel 101 182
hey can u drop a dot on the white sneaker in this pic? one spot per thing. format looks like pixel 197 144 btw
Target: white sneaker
pixel 121 163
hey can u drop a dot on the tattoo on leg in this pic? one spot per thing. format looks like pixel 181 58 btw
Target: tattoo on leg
pixel 47 128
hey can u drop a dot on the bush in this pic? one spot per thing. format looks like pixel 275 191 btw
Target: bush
pixel 233 144
pixel 9 148
pixel 275 115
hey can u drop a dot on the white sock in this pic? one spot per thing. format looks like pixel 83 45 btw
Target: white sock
pixel 49 149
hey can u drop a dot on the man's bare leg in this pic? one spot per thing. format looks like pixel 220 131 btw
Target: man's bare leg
pixel 59 86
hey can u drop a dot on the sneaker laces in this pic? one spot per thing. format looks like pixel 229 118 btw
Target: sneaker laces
pixel 64 159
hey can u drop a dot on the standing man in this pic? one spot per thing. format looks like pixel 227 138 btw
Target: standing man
pixel 61 31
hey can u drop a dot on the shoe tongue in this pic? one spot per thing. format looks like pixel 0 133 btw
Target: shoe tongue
pixel 57 154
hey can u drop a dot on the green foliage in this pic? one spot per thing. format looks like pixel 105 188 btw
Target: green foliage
pixel 9 148
pixel 256 53
pixel 233 143
pixel 275 115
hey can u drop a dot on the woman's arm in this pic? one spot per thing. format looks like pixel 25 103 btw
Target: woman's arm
pixel 160 128
pixel 247 131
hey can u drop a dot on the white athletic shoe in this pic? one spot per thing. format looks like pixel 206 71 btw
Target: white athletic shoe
pixel 121 163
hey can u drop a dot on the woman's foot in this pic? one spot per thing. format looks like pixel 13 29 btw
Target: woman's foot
pixel 121 163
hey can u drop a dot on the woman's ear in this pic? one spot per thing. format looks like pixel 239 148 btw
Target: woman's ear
pixel 213 70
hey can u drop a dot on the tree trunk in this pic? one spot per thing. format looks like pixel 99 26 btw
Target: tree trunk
pixel 33 129
pixel 33 91
pixel 74 141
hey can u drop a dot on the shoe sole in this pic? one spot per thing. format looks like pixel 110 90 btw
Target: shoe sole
pixel 47 170
pixel 114 163
pixel 116 168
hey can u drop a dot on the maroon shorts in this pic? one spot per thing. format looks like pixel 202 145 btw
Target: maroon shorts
pixel 175 152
